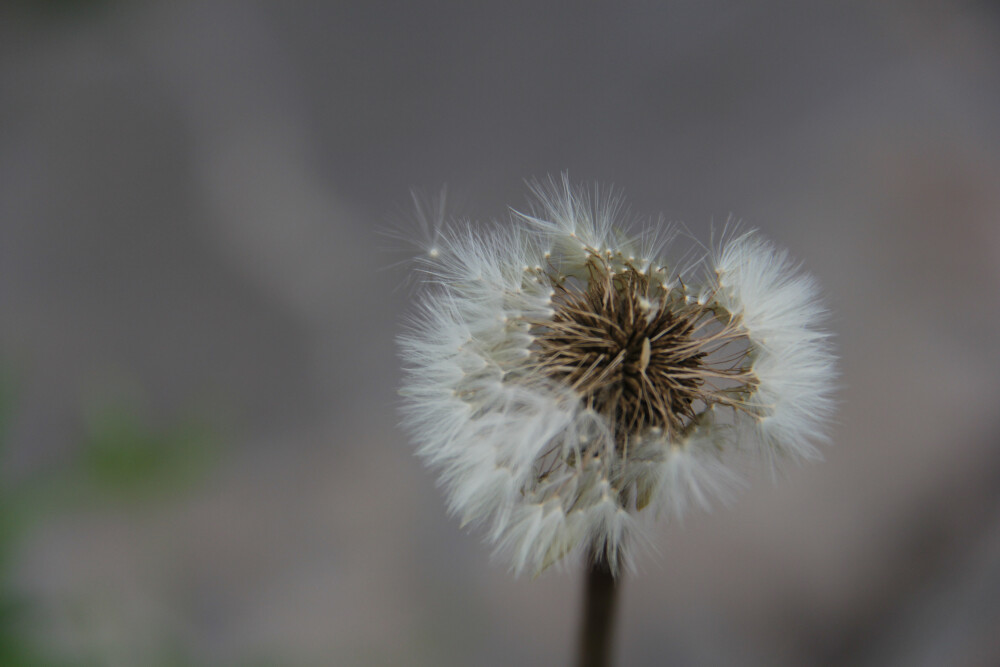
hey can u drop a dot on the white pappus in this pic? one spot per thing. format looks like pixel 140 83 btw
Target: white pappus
pixel 563 377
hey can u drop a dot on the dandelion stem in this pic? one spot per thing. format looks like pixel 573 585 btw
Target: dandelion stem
pixel 597 631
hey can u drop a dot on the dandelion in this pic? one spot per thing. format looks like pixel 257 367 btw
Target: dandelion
pixel 566 379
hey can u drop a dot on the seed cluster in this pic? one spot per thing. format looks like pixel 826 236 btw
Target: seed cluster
pixel 641 355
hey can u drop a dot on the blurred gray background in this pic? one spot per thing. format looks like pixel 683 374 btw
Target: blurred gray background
pixel 200 464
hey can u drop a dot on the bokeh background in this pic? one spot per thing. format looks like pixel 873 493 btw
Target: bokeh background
pixel 199 458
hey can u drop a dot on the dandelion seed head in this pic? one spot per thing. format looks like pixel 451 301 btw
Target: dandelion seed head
pixel 562 387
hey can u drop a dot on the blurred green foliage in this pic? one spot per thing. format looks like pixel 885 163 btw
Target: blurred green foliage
pixel 122 459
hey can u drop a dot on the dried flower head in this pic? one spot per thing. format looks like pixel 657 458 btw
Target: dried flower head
pixel 563 377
